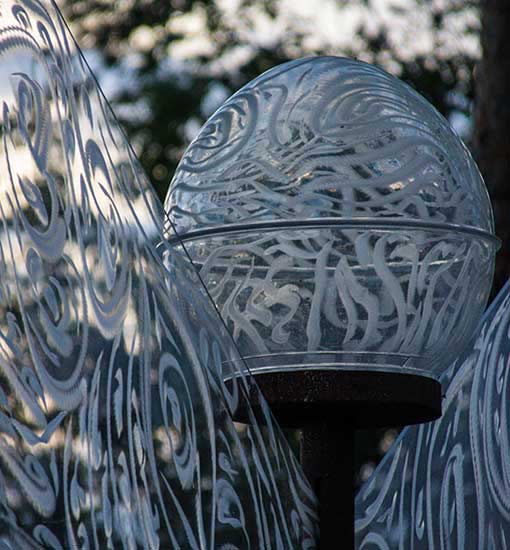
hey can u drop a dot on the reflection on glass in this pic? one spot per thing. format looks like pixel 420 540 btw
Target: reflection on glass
pixel 445 484
pixel 116 429
pixel 337 220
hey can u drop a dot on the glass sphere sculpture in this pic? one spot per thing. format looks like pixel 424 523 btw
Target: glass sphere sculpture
pixel 337 220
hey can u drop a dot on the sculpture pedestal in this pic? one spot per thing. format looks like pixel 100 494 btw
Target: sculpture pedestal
pixel 329 405
pixel 368 399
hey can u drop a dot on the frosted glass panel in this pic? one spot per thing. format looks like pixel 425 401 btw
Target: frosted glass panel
pixel 338 221
pixel 446 484
pixel 116 428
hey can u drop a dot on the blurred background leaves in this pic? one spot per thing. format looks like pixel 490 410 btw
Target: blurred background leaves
pixel 167 65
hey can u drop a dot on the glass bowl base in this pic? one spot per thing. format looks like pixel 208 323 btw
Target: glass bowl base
pixel 331 361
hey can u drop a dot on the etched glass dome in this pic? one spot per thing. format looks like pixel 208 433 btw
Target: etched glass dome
pixel 337 221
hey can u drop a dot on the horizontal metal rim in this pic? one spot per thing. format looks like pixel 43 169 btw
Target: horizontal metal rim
pixel 370 399
pixel 344 223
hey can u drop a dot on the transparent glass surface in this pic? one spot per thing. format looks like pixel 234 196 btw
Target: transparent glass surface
pixel 332 297
pixel 116 428
pixel 333 212
pixel 446 484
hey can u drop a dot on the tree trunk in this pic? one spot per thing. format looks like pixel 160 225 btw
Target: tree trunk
pixel 492 121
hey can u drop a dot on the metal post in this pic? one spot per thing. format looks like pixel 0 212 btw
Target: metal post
pixel 327 457
pixel 329 406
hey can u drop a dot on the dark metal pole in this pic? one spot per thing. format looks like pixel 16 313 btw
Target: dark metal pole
pixel 329 405
pixel 327 457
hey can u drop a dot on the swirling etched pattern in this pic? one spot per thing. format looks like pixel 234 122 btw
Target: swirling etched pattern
pixel 116 428
pixel 445 484
pixel 332 211
pixel 395 300
pixel 326 137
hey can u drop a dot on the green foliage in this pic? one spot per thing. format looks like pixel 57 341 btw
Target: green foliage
pixel 178 51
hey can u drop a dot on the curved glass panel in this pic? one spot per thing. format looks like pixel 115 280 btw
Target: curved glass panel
pixel 327 137
pixel 337 220
pixel 328 297
pixel 116 426
pixel 446 484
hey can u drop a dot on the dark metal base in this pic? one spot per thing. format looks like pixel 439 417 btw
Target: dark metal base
pixel 368 399
pixel 329 405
